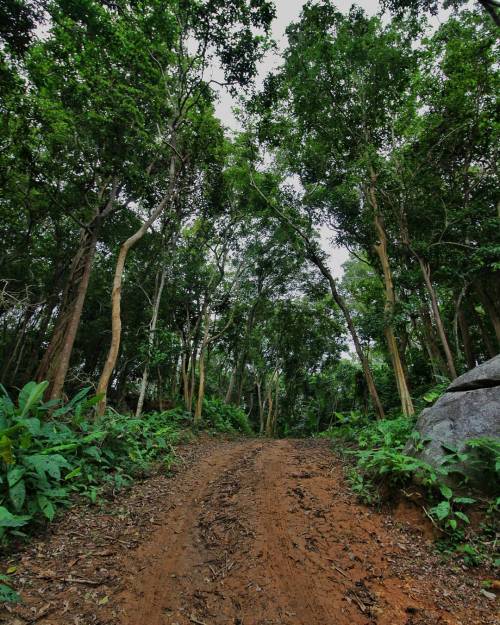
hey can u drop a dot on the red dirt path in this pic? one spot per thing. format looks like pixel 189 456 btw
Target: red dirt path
pixel 249 533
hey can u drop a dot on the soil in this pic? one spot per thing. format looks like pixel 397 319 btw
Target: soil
pixel 248 532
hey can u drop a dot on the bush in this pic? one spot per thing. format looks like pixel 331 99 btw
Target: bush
pixel 226 418
pixel 49 453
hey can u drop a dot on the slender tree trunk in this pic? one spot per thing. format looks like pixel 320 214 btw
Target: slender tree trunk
pixel 390 301
pixel 470 357
pixel 55 362
pixel 339 300
pixel 201 368
pixel 426 273
pixel 230 387
pixel 490 308
pixel 185 379
pixel 116 322
pixel 151 339
pixel 431 342
pixel 488 343
pixel 261 408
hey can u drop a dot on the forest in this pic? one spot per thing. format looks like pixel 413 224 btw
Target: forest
pixel 165 273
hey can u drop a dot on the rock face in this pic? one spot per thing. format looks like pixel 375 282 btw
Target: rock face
pixel 470 408
pixel 484 376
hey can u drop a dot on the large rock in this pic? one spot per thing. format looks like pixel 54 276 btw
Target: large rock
pixel 470 408
pixel 484 376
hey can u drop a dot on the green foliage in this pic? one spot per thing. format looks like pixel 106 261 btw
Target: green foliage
pixel 225 418
pixel 380 461
pixel 7 595
pixel 50 453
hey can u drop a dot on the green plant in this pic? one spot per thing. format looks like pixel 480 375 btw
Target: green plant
pixel 225 418
pixel 7 594
pixel 49 453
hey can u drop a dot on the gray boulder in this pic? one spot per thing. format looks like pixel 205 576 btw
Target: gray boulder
pixel 484 376
pixel 470 408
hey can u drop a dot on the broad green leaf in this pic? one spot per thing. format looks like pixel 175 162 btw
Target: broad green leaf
pixel 6 450
pixel 14 475
pixel 463 500
pixel 17 494
pixel 7 519
pixel 46 506
pixel 442 510
pixel 7 595
pixel 446 491
pixel 47 464
pixel 462 516
pixel 30 395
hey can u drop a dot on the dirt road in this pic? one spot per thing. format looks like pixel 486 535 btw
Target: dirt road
pixel 251 533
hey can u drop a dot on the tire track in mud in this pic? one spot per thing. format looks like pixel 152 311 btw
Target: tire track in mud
pixel 273 537
pixel 248 532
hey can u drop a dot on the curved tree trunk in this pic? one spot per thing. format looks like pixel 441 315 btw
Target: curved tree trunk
pixel 116 322
pixel 339 300
pixel 426 273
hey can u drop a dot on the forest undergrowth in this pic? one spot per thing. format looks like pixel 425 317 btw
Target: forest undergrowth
pixel 381 471
pixel 53 455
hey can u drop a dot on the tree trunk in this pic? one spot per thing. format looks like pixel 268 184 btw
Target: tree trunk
pixel 201 368
pixel 426 273
pixel 390 302
pixel 430 341
pixel 488 343
pixel 116 322
pixel 470 357
pixel 55 362
pixel 261 408
pixel 151 339
pixel 229 394
pixel 490 308
pixel 339 300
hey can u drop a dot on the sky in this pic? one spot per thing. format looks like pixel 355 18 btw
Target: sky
pixel 288 11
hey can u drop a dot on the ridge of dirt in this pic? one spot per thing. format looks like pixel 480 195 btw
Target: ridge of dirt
pixel 249 532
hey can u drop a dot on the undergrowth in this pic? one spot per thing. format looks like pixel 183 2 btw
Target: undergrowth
pixel 380 465
pixel 52 454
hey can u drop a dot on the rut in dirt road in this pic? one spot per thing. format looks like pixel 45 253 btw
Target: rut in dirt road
pixel 248 532
pixel 269 535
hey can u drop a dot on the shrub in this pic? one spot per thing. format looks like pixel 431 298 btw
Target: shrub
pixel 49 453
pixel 224 417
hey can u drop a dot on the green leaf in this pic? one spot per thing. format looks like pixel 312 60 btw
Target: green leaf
pixel 463 517
pixel 47 464
pixel 77 471
pixel 463 500
pixel 17 494
pixel 30 395
pixel 7 595
pixel 6 450
pixel 453 524
pixel 446 491
pixel 442 510
pixel 14 475
pixel 71 404
pixel 46 506
pixel 7 519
